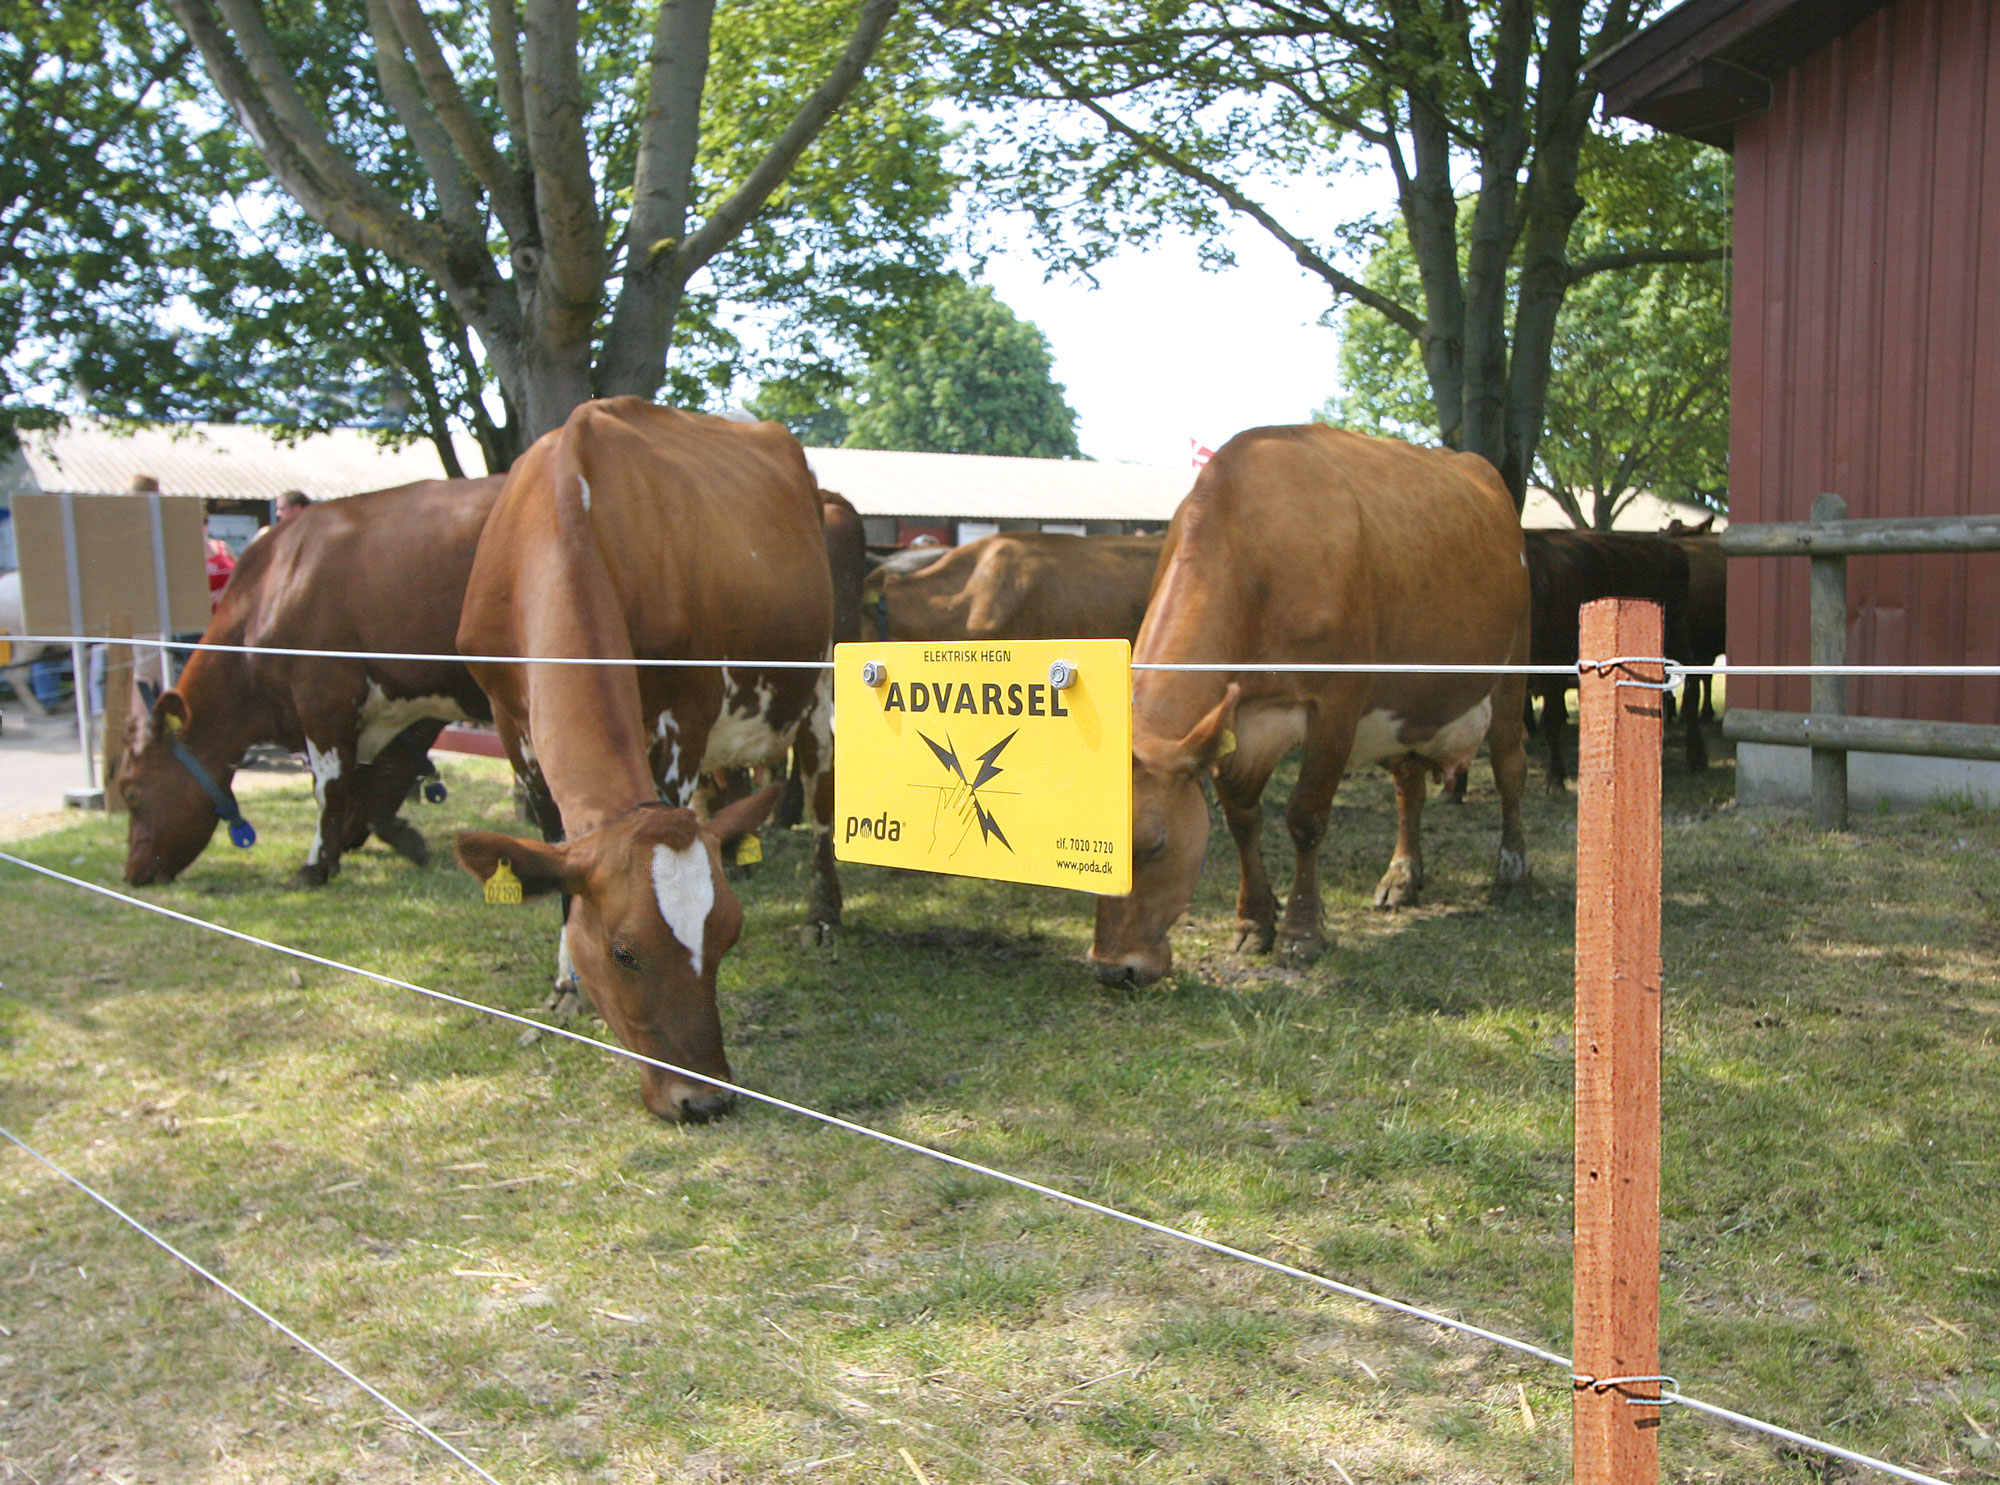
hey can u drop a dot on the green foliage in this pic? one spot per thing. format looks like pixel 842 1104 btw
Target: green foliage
pixel 1638 394
pixel 969 378
pixel 105 191
pixel 185 283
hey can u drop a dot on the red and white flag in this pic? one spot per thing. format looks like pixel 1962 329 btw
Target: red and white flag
pixel 1199 453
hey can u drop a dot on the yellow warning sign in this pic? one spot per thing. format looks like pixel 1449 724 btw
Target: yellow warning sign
pixel 1010 760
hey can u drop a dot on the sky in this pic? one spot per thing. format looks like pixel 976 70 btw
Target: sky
pixel 1162 351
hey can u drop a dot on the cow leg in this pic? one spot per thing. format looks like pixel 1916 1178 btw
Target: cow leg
pixel 1242 799
pixel 1695 744
pixel 1302 936
pixel 1555 715
pixel 1402 885
pixel 341 801
pixel 814 745
pixel 1507 748
pixel 791 810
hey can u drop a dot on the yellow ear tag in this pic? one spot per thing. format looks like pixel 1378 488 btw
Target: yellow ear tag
pixel 1228 745
pixel 174 723
pixel 749 851
pixel 503 888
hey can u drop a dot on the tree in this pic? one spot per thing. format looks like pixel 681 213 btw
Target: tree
pixel 562 177
pixel 961 375
pixel 1144 112
pixel 99 230
pixel 1639 392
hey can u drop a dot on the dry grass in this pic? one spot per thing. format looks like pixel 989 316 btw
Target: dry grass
pixel 497 1236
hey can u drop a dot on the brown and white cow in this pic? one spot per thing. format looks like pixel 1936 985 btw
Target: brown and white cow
pixel 383 571
pixel 635 531
pixel 1313 545
pixel 1021 585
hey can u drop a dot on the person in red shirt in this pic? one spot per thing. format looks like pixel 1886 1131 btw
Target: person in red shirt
pixel 220 565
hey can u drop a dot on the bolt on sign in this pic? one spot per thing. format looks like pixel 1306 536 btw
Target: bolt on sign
pixel 1010 760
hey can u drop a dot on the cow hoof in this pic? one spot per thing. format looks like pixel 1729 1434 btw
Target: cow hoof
pixel 1401 886
pixel 400 836
pixel 1252 938
pixel 311 875
pixel 816 935
pixel 1301 948
pixel 1557 787
pixel 1512 871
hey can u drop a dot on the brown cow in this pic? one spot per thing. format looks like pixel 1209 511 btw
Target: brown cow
pixel 1022 585
pixel 383 572
pixel 635 531
pixel 1313 545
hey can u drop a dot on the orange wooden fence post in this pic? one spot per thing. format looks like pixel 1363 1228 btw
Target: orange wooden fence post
pixel 1617 1317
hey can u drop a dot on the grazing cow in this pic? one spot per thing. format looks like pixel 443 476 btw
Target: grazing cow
pixel 378 572
pixel 1571 568
pixel 1022 585
pixel 635 531
pixel 1312 545
pixel 1708 605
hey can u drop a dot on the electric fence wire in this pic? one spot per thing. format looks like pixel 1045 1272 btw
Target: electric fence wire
pixel 248 1303
pixel 1022 1183
pixel 1258 667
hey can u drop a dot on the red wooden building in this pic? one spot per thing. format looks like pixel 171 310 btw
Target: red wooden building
pixel 1865 329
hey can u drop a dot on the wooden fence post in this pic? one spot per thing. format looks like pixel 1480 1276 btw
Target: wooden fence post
pixel 1829 692
pixel 117 706
pixel 1617 1213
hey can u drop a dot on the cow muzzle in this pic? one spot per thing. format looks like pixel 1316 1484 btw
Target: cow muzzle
pixel 1140 967
pixel 681 1100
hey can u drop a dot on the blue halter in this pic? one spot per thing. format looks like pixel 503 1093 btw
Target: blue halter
pixel 242 834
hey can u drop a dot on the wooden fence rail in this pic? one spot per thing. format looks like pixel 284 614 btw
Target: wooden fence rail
pixel 1829 538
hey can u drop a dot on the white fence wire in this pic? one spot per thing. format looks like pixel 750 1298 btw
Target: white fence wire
pixel 1675 669
pixel 1526 1348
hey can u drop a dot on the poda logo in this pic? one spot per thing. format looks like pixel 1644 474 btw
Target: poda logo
pixel 879 828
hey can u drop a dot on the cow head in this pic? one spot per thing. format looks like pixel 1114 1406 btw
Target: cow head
pixel 650 914
pixel 1169 837
pixel 170 816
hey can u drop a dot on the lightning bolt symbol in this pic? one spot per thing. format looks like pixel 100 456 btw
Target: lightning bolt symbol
pixel 987 767
pixel 988 826
pixel 949 758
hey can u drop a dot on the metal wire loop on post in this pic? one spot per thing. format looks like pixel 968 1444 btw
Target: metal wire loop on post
pixel 1618 1384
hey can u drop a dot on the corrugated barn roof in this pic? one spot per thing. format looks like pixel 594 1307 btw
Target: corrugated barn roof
pixel 244 461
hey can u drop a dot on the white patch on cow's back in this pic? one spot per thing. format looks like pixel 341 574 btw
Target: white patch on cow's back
pixel 686 890
pixel 583 488
pixel 383 718
pixel 325 768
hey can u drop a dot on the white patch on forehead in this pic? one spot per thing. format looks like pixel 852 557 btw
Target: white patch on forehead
pixel 383 719
pixel 686 891
pixel 325 768
pixel 583 488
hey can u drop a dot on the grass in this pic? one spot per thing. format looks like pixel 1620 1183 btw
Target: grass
pixel 497 1236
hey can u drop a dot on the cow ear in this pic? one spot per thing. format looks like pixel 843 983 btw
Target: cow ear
pixel 170 714
pixel 1213 737
pixel 744 815
pixel 541 868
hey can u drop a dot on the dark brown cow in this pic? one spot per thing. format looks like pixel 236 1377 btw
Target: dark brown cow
pixel 1572 568
pixel 635 531
pixel 1312 545
pixel 383 572
pixel 1022 585
pixel 1708 605
pixel 847 557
